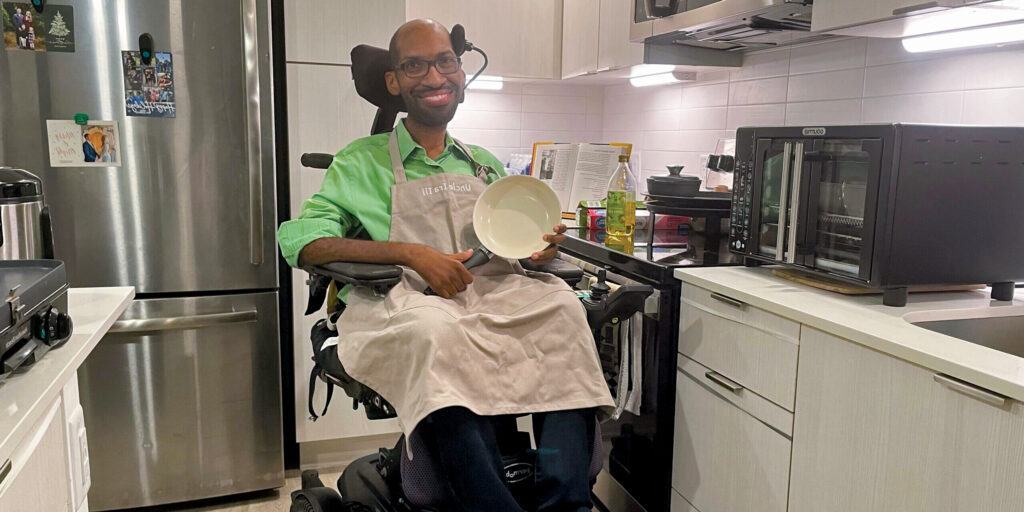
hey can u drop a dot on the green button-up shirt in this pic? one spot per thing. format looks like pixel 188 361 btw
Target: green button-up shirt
pixel 355 198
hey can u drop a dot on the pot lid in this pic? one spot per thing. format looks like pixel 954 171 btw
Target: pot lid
pixel 673 176
pixel 19 184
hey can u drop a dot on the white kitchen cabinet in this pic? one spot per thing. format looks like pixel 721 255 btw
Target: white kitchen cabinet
pixel 38 478
pixel 750 346
pixel 595 37
pixel 614 48
pixel 731 450
pixel 836 14
pixel 324 114
pixel 522 38
pixel 580 37
pixel 325 31
pixel 873 432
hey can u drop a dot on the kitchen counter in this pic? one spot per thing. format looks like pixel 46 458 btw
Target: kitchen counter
pixel 864 320
pixel 24 397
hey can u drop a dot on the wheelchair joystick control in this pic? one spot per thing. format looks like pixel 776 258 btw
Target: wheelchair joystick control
pixel 600 289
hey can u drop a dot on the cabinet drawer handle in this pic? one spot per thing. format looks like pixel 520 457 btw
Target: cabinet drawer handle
pixel 724 382
pixel 728 300
pixel 5 470
pixel 970 390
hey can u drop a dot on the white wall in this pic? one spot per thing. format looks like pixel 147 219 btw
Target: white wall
pixel 512 119
pixel 840 82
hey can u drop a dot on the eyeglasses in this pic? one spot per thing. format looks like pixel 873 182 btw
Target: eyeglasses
pixel 415 68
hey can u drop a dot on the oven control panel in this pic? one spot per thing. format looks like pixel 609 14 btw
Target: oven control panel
pixel 740 218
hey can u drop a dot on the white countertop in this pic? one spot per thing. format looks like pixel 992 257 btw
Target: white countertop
pixel 864 320
pixel 25 396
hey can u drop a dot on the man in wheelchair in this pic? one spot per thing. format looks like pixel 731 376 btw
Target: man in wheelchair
pixel 491 342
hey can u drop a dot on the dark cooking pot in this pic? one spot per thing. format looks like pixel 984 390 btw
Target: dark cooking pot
pixel 673 185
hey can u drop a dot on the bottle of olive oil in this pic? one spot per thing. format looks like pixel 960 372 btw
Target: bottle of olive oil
pixel 620 222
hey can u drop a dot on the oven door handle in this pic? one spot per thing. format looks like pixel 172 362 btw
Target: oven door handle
pixel 797 191
pixel 780 237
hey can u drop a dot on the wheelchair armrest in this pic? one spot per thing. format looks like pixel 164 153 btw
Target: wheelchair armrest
pixel 358 274
pixel 379 277
pixel 561 269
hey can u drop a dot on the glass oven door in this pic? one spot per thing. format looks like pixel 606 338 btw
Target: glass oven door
pixel 838 192
pixel 776 162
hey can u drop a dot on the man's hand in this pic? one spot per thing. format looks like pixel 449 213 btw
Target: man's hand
pixel 445 273
pixel 544 257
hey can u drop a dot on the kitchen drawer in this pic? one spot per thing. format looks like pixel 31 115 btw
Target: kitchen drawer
pixel 750 346
pixel 679 504
pixel 725 459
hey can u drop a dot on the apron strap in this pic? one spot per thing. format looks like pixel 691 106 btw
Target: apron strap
pixel 396 159
pixel 484 172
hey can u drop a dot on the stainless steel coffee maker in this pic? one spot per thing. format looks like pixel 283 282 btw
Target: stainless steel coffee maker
pixel 25 231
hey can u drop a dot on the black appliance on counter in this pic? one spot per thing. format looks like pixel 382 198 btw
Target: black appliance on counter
pixel 638 468
pixel 885 206
pixel 33 318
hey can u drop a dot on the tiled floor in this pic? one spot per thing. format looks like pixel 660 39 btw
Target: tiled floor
pixel 268 501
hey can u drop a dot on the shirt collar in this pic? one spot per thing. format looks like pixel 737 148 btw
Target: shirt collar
pixel 406 145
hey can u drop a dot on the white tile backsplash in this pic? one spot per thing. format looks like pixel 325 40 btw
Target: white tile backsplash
pixel 832 85
pixel 558 122
pixel 994 106
pixel 847 81
pixel 945 107
pixel 715 95
pixel 938 75
pixel 754 92
pixel 703 118
pixel 756 115
pixel 823 112
pixel 831 56
pixel 555 104
pixel 763 65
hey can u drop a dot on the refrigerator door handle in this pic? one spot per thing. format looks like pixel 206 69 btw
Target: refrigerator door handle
pixel 177 323
pixel 254 140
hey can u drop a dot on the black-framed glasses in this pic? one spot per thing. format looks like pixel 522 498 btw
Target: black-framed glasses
pixel 416 68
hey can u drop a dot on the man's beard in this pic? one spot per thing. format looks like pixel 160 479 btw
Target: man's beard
pixel 427 116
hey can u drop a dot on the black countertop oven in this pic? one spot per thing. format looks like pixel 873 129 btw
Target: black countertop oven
pixel 886 206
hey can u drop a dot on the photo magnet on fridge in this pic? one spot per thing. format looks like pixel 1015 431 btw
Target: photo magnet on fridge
pixel 148 88
pixel 52 30
pixel 94 144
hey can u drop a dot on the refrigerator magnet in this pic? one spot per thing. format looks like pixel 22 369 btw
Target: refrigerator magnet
pixel 148 88
pixel 52 30
pixel 93 144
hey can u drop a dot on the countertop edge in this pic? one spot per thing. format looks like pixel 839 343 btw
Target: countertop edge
pixel 961 369
pixel 55 382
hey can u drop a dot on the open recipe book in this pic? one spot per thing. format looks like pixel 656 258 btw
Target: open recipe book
pixel 578 171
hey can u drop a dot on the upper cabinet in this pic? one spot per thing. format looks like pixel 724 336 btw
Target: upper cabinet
pixel 595 37
pixel 522 38
pixel 899 18
pixel 835 14
pixel 325 31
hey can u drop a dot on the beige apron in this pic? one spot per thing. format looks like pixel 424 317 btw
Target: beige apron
pixel 513 342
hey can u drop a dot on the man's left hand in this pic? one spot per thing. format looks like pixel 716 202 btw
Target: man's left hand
pixel 544 257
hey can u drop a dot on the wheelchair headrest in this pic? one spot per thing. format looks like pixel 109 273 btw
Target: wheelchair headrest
pixel 369 64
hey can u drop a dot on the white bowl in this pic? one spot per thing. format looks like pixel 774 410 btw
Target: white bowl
pixel 513 214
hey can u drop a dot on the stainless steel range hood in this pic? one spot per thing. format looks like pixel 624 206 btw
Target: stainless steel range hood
pixel 728 27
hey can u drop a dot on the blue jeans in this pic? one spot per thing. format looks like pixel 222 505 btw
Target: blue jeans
pixel 468 451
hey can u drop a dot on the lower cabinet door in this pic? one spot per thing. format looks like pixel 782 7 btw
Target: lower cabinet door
pixel 725 459
pixel 38 477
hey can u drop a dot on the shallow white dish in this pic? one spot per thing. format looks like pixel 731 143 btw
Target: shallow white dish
pixel 513 214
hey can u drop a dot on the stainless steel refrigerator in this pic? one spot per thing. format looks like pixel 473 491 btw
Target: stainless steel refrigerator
pixel 183 401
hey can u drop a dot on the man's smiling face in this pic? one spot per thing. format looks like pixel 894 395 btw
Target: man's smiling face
pixel 431 99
